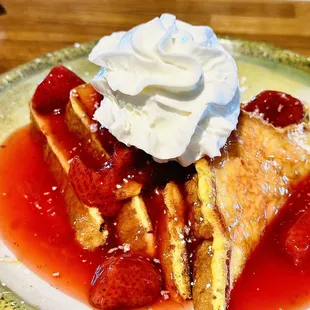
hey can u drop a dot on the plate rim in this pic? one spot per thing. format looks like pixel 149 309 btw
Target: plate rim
pixel 256 49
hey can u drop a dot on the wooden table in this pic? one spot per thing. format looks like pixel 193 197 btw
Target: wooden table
pixel 31 28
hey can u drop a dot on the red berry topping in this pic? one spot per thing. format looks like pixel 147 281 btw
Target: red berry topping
pixel 125 281
pixel 53 92
pixel 297 241
pixel 277 108
pixel 95 188
pixel 98 187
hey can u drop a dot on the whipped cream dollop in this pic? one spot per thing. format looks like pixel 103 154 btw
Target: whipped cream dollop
pixel 169 89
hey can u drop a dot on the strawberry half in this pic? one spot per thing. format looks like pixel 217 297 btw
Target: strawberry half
pixel 98 187
pixel 125 281
pixel 297 242
pixel 277 108
pixel 53 92
pixel 95 188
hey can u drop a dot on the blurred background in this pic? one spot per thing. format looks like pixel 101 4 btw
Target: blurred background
pixel 30 28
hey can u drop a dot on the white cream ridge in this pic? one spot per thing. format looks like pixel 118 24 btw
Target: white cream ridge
pixel 169 89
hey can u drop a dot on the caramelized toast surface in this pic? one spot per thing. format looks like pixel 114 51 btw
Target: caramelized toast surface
pixel 134 227
pixel 251 181
pixel 172 244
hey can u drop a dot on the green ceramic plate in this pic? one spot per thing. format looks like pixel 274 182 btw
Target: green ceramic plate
pixel 261 66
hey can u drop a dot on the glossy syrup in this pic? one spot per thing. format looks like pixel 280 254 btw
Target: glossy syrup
pixel 271 280
pixel 35 226
pixel 34 223
pixel 33 218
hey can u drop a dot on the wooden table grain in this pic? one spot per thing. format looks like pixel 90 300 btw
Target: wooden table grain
pixel 31 28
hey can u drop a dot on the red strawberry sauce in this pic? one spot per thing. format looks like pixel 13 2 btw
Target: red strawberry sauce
pixel 35 226
pixel 34 223
pixel 277 108
pixel 33 218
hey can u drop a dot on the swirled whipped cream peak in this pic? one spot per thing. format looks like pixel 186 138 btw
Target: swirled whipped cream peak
pixel 169 88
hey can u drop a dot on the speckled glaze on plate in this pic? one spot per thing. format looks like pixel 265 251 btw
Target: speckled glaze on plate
pixel 261 66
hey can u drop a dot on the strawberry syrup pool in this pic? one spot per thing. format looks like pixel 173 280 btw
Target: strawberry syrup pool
pixel 35 226
pixel 34 223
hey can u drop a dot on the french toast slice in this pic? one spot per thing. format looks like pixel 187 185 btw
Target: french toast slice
pixel 252 180
pixel 202 273
pixel 133 223
pixel 216 285
pixel 87 221
pixel 134 227
pixel 79 122
pixel 89 226
pixel 172 245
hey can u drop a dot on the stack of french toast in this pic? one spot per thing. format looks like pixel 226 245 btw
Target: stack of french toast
pixel 202 222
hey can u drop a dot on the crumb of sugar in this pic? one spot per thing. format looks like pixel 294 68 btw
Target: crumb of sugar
pixel 165 294
pixel 112 250
pixel 126 247
pixel 93 127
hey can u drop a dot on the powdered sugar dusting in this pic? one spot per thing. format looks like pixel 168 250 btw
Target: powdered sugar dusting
pixel 299 137
pixel 165 294
pixel 124 247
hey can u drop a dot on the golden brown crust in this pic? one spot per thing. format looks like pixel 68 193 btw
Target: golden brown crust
pixel 202 274
pixel 172 245
pixel 240 193
pixel 200 227
pixel 128 190
pixel 79 123
pixel 253 178
pixel 134 227
pixel 221 244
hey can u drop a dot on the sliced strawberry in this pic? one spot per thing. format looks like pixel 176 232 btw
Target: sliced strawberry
pixel 277 108
pixel 95 188
pixel 125 281
pixel 90 98
pixel 297 242
pixel 53 92
pixel 98 188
